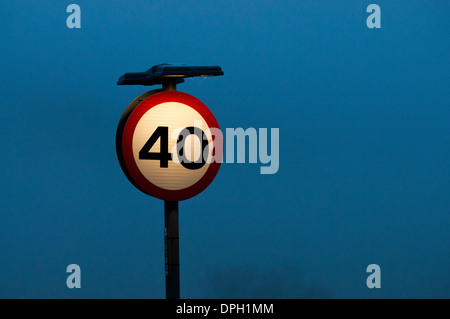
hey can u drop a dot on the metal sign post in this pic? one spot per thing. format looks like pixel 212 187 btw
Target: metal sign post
pixel 171 234
pixel 172 250
pixel 169 175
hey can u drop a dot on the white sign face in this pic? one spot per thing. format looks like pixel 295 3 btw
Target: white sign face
pixel 175 117
pixel 167 146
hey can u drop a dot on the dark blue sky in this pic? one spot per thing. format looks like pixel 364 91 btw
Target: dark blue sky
pixel 364 149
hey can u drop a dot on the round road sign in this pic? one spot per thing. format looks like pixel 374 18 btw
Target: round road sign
pixel 166 144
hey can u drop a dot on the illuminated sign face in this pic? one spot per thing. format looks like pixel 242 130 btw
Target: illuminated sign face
pixel 166 146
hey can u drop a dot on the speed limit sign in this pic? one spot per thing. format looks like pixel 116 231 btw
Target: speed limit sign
pixel 166 145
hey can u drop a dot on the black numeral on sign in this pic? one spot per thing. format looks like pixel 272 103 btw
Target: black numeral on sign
pixel 162 132
pixel 163 156
pixel 180 147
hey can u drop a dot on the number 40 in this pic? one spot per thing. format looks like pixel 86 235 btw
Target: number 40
pixel 162 133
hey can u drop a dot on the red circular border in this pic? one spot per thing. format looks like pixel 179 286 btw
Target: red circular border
pixel 127 146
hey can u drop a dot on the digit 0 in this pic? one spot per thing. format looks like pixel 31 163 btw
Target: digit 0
pixel 181 144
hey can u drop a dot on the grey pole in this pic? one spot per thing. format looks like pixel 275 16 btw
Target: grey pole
pixel 172 251
pixel 169 84
pixel 171 235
